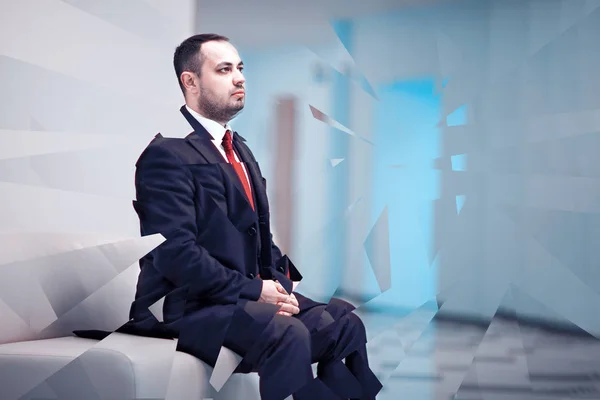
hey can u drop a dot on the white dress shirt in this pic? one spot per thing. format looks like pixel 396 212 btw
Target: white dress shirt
pixel 217 131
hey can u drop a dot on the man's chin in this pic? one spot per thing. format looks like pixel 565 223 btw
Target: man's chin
pixel 237 112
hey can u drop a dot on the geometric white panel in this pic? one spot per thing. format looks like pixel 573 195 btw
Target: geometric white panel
pixel 21 246
pixel 14 144
pixel 157 309
pixel 227 362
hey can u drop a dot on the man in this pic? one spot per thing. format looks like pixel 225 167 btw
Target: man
pixel 224 282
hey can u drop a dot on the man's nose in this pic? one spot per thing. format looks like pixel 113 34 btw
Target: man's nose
pixel 238 78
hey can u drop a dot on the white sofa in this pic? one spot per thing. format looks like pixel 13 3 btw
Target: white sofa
pixel 119 367
pixel 44 297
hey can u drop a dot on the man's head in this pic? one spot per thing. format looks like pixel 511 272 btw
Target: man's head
pixel 209 71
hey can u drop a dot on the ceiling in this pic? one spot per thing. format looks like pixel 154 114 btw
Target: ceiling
pixel 262 24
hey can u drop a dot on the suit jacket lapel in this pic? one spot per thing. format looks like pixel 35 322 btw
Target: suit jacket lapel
pixel 201 140
pixel 254 174
pixel 202 143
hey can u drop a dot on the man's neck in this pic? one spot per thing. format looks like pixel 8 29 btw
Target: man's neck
pixel 197 110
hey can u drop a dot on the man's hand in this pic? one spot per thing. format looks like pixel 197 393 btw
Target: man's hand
pixel 293 299
pixel 272 293
pixel 289 307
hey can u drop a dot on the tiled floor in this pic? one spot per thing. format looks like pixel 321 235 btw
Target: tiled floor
pixel 445 360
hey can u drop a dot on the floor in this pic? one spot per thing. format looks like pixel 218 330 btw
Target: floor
pixel 440 359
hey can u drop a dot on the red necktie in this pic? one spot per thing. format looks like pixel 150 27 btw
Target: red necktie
pixel 228 146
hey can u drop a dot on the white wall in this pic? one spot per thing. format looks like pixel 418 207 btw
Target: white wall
pixel 85 86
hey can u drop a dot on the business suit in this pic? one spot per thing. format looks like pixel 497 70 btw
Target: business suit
pixel 209 269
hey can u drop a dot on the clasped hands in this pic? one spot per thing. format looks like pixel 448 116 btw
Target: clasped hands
pixel 273 293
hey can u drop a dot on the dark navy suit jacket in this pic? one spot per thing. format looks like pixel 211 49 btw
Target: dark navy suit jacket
pixel 216 244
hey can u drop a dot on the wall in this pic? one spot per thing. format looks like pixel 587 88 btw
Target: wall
pixel 85 86
pixel 515 215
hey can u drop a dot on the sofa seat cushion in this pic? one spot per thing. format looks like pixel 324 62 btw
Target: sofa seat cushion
pixel 121 366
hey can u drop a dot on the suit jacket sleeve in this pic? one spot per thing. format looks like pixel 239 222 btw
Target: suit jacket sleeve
pixel 283 270
pixel 165 204
pixel 283 264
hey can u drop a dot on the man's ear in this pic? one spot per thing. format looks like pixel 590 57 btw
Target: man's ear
pixel 189 81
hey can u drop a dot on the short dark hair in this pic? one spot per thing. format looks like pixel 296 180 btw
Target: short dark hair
pixel 187 55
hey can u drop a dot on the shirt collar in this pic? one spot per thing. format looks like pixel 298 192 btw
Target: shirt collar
pixel 215 129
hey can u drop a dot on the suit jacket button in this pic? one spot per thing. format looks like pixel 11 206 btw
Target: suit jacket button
pixel 252 231
pixel 251 275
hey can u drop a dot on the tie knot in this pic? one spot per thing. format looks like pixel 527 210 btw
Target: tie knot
pixel 227 141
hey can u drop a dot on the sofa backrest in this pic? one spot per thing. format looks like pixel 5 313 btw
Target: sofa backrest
pixel 52 284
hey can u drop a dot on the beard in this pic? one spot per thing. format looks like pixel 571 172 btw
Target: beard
pixel 221 111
